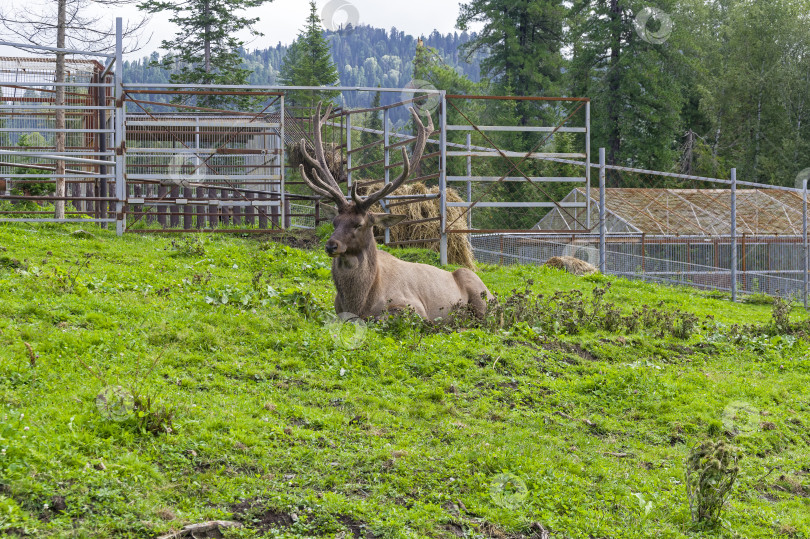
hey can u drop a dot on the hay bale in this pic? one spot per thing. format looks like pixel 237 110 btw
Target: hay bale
pixel 334 159
pixel 459 250
pixel 571 265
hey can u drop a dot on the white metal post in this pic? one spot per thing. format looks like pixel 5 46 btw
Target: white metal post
pixel 733 261
pixel 469 182
pixel 806 253
pixel 348 154
pixel 120 143
pixel 282 171
pixel 602 224
pixel 443 178
pixel 386 162
pixel 588 165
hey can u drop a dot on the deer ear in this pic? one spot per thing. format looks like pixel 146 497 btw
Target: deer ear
pixel 386 219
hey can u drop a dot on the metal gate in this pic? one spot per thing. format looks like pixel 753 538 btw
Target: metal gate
pixel 194 165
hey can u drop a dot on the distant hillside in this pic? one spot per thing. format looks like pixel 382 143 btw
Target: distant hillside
pixel 365 56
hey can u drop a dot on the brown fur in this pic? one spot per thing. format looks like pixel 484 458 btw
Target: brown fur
pixel 370 282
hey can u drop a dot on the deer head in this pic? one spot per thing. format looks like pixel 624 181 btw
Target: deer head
pixel 354 223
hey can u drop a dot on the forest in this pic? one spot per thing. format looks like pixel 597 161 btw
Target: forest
pixel 688 85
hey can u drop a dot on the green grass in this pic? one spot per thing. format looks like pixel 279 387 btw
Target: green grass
pixel 404 436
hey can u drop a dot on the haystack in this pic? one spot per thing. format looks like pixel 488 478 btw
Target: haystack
pixel 571 265
pixel 459 250
pixel 334 159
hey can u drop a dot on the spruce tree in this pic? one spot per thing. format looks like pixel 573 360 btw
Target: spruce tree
pixel 309 63
pixel 205 50
pixel 523 39
pixel 637 86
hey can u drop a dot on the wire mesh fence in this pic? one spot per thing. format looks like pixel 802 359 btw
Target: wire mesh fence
pixel 677 229
pixel 204 158
pixel 769 265
pixel 30 150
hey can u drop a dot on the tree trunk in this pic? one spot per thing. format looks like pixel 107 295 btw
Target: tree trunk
pixel 59 205
pixel 207 38
pixel 614 83
pixel 758 132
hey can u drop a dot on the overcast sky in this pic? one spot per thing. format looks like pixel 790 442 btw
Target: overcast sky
pixel 281 20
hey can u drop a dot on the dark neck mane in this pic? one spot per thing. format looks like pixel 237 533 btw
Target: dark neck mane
pixel 355 277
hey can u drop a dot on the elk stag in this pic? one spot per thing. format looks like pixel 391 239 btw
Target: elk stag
pixel 369 281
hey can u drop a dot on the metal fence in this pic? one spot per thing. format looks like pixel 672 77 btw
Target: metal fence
pixel 707 233
pixel 57 154
pixel 769 265
pixel 161 158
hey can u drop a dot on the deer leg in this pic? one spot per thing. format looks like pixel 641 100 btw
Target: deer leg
pixel 475 290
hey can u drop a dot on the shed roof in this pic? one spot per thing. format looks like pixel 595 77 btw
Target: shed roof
pixel 693 211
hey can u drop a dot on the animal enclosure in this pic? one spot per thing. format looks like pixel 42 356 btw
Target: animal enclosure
pixel 154 158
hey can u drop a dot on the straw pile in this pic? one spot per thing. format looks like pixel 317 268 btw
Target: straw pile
pixel 571 265
pixel 334 160
pixel 459 250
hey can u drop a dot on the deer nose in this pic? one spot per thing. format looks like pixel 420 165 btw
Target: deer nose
pixel 331 247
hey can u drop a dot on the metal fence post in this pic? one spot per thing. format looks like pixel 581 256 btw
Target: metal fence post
pixel 733 262
pixel 469 182
pixel 602 224
pixel 587 165
pixel 387 172
pixel 348 153
pixel 282 169
pixel 805 252
pixel 101 101
pixel 120 143
pixel 443 178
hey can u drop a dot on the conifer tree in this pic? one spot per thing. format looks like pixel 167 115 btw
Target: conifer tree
pixel 204 50
pixel 309 63
pixel 523 39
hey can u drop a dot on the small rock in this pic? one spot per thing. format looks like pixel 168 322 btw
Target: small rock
pixel 99 466
pixel 82 234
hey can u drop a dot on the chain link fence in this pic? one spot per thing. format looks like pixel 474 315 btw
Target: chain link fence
pixel 675 229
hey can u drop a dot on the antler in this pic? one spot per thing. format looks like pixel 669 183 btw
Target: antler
pixel 322 180
pixel 363 204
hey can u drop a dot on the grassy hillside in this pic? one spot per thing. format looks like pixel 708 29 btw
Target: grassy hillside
pixel 252 408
